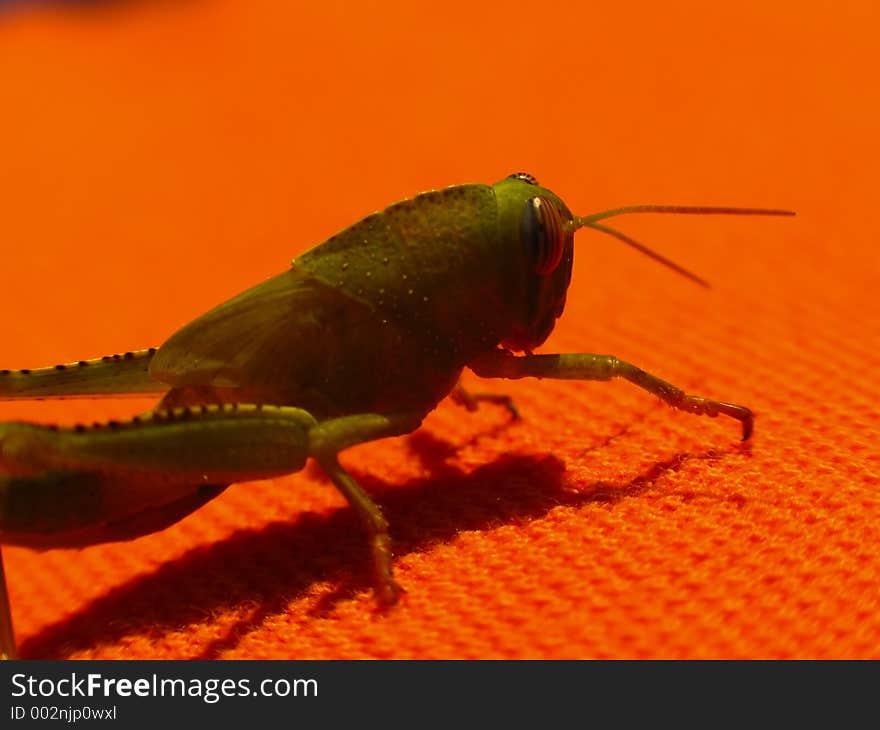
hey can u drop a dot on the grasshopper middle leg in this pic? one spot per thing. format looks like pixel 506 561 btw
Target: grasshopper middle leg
pixel 326 440
pixel 471 400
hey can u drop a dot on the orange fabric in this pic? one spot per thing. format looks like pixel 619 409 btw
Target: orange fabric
pixel 159 157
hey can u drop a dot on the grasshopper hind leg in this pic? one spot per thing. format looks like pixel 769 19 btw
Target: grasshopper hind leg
pixel 112 375
pixel 7 635
pixel 74 486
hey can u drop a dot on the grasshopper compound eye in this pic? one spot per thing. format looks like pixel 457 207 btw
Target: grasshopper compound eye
pixel 543 234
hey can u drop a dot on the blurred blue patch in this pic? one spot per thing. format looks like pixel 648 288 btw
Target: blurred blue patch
pixel 4 4
pixel 7 3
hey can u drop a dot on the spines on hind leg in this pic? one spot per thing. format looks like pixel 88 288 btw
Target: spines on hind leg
pixel 212 444
pixel 126 373
pixel 76 485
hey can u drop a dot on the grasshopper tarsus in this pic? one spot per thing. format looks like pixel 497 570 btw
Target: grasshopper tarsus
pixel 388 594
pixel 742 414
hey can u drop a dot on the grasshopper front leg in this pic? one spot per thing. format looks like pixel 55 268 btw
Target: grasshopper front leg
pixel 63 487
pixel 585 366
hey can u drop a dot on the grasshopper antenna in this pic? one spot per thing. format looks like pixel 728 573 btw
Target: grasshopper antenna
pixel 592 221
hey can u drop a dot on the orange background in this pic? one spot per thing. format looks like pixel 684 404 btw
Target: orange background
pixel 158 157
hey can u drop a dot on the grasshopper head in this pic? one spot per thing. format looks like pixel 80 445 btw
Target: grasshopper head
pixel 546 227
pixel 545 242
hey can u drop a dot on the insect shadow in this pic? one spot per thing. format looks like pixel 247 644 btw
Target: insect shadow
pixel 262 570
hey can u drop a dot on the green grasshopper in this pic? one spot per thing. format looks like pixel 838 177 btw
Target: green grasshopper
pixel 358 340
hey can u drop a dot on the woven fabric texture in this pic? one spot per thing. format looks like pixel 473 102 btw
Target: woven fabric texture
pixel 160 157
